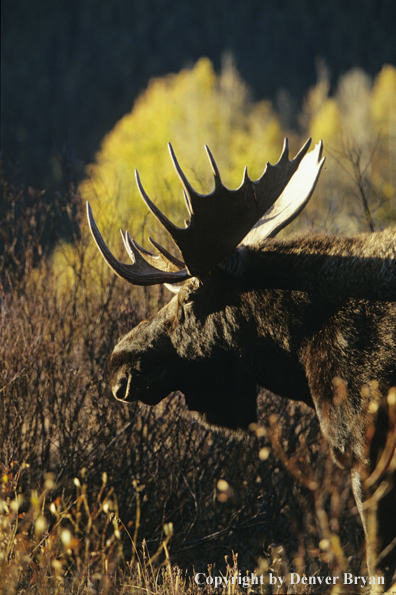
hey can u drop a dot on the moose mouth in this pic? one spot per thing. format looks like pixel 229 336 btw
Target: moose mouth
pixel 149 388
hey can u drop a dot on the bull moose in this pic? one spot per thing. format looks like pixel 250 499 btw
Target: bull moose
pixel 311 318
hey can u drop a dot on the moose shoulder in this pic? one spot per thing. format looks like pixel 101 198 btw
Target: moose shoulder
pixel 311 318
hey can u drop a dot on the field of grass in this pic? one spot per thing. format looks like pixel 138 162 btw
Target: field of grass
pixel 101 497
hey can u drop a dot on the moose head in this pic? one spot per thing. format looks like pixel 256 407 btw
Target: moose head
pixel 198 343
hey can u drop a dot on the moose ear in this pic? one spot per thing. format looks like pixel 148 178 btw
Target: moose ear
pixel 292 200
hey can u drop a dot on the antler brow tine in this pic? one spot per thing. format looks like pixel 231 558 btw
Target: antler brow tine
pixel 140 272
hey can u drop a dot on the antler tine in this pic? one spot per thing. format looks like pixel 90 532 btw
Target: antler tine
pixel 285 151
pixel 186 184
pixel 127 243
pixel 245 177
pixel 142 250
pixel 178 263
pixel 293 199
pixel 164 260
pixel 215 169
pixel 302 152
pixel 140 272
pixel 187 200
pixel 133 251
pixel 141 255
pixel 169 226
pixel 283 168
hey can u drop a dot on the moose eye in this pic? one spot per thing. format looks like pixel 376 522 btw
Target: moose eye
pixel 188 307
pixel 188 299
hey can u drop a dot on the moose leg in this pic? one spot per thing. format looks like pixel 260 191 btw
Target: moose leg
pixel 378 515
pixel 379 489
pixel 386 529
pixel 385 492
pixel 356 481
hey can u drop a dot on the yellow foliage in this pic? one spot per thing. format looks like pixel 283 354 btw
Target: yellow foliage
pixel 383 104
pixel 197 107
pixel 383 111
pixel 326 123
pixel 315 99
pixel 357 114
pixel 189 109
pixel 358 127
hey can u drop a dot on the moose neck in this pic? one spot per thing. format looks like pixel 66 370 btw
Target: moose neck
pixel 327 268
pixel 290 289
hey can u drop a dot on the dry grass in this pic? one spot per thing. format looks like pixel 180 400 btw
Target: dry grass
pixel 98 497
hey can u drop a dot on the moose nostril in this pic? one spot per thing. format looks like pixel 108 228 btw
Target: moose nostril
pixel 120 390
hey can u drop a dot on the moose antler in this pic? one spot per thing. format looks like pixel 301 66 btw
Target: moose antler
pixel 219 221
pixel 141 272
pixel 292 200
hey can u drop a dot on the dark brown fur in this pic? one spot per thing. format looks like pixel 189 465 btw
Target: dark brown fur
pixel 311 318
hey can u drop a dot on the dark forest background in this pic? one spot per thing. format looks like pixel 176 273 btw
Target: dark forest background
pixel 97 497
pixel 72 68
